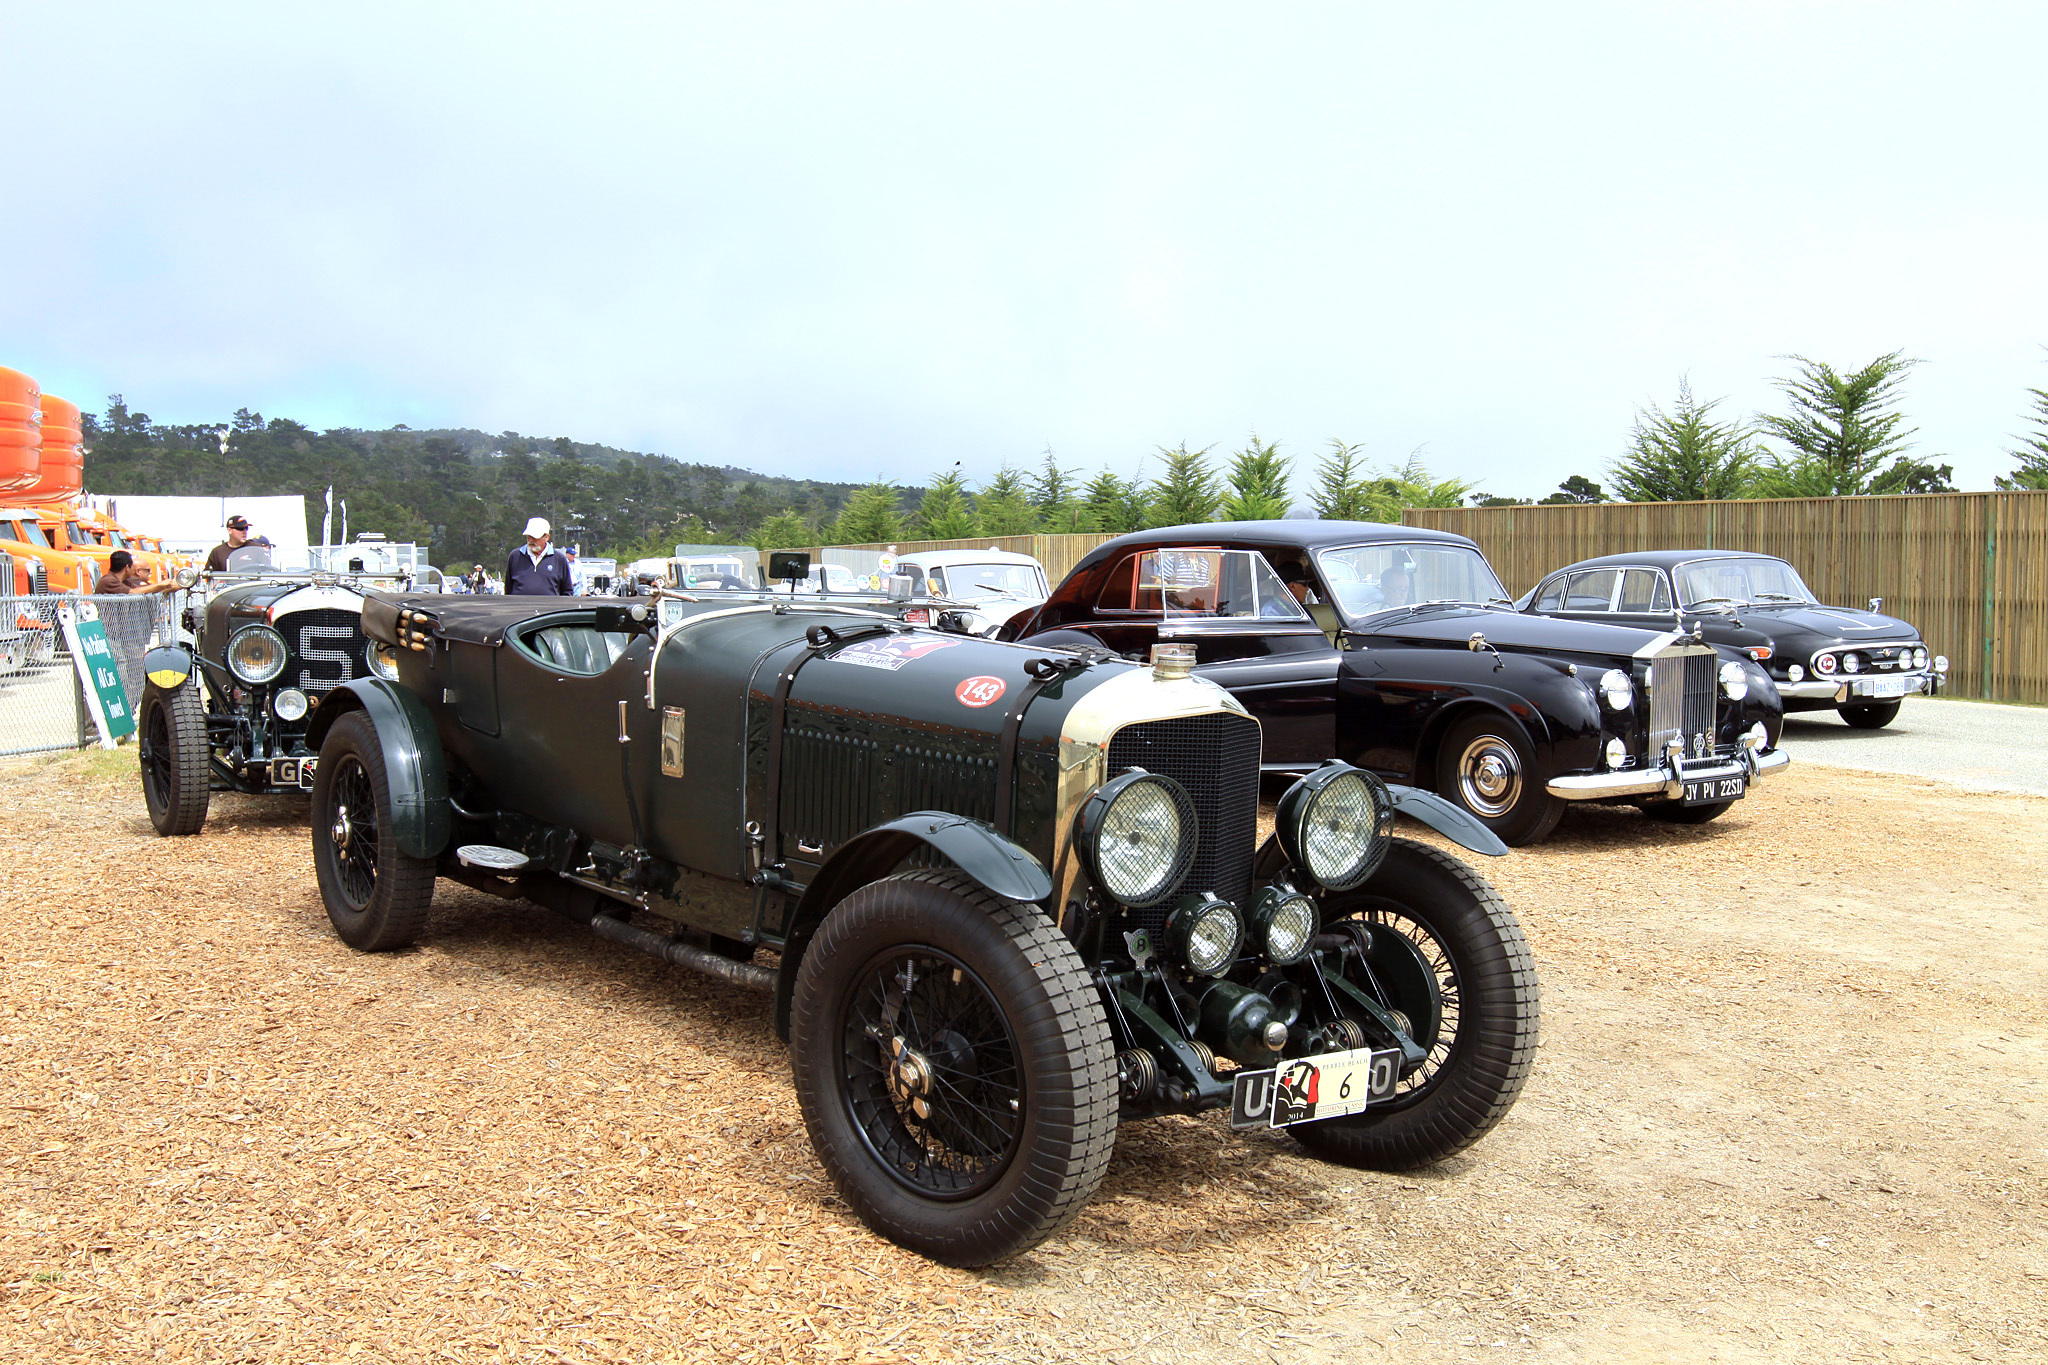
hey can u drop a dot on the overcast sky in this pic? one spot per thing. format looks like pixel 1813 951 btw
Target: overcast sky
pixel 851 241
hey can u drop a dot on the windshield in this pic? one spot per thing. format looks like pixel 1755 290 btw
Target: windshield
pixel 836 578
pixel 267 559
pixel 1740 580
pixel 971 582
pixel 1374 578
pixel 31 534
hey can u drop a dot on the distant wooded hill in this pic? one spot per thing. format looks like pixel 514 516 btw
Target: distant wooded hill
pixel 465 494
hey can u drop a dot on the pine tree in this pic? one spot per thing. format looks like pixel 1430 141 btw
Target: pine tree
pixel 2032 451
pixel 1258 483
pixel 944 513
pixel 783 531
pixel 1840 431
pixel 1003 508
pixel 1112 506
pixel 1686 456
pixel 1412 485
pixel 1342 491
pixel 1185 493
pixel 870 517
pixel 1576 489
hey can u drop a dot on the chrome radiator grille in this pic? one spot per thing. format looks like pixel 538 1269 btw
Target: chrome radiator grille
pixel 1682 688
pixel 1216 757
pixel 326 648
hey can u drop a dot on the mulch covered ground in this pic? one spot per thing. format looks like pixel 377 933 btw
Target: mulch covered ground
pixel 228 1137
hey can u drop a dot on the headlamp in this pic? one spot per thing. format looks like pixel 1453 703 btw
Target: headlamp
pixel 1137 835
pixel 1335 825
pixel 1203 934
pixel 256 654
pixel 290 704
pixel 1616 690
pixel 1284 924
pixel 383 660
pixel 1734 681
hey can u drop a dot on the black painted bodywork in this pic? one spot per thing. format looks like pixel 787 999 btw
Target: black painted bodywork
pixel 1381 691
pixel 1792 632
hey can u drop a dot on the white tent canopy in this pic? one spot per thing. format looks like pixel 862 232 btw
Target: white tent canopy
pixel 198 524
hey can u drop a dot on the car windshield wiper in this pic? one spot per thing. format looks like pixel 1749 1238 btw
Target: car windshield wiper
pixel 1776 597
pixel 1712 601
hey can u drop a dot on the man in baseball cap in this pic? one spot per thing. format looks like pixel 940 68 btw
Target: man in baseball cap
pixel 537 569
pixel 238 536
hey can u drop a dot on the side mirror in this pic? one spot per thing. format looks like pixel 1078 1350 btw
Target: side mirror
pixel 898 586
pixel 1877 604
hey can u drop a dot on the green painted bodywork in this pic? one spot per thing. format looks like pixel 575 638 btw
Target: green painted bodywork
pixel 412 758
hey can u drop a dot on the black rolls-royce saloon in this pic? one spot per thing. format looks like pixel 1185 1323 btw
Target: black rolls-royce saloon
pixel 1861 664
pixel 1395 648
pixel 1016 893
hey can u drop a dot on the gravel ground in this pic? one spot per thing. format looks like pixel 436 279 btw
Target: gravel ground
pixel 1976 744
pixel 1789 1104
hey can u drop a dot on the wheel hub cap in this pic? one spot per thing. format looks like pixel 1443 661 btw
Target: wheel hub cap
pixel 910 1078
pixel 1491 777
pixel 340 831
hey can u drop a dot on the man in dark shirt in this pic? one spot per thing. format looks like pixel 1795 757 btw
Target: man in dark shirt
pixel 124 576
pixel 238 536
pixel 536 569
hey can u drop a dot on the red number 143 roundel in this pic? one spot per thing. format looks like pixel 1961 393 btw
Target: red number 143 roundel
pixel 980 691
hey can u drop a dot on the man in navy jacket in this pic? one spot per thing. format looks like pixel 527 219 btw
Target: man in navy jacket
pixel 536 569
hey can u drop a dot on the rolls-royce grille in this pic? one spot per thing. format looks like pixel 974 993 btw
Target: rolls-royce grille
pixel 1216 757
pixel 1682 689
pixel 326 646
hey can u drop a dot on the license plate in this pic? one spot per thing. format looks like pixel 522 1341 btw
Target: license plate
pixel 1715 789
pixel 1325 1087
pixel 1881 687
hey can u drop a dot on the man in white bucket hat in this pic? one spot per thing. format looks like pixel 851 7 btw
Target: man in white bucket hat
pixel 537 569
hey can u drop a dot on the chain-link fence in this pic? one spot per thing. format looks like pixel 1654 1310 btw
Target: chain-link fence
pixel 41 705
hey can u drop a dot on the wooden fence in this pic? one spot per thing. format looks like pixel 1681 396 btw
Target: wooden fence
pixel 1969 569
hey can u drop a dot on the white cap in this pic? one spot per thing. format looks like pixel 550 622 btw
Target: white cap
pixel 536 527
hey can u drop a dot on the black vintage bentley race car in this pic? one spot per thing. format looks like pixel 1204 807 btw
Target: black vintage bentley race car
pixel 228 708
pixel 1859 663
pixel 1016 893
pixel 1395 648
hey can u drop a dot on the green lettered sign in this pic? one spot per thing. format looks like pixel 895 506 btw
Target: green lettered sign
pixel 98 673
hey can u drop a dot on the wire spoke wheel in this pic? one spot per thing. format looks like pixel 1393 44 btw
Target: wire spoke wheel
pixel 173 757
pixel 954 1066
pixel 1386 917
pixel 354 831
pixel 930 1073
pixel 1468 995
pixel 377 895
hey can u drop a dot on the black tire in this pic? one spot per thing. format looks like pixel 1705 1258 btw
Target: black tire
pixel 1481 1052
pixel 176 786
pixel 984 1172
pixel 1678 813
pixel 1870 715
pixel 1487 765
pixel 376 896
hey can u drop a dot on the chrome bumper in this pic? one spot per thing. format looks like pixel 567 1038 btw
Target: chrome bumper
pixel 1663 780
pixel 1841 689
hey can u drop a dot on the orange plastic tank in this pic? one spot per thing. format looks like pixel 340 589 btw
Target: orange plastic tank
pixel 21 429
pixel 62 476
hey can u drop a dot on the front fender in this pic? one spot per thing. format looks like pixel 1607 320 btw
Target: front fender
pixel 167 666
pixel 1000 866
pixel 413 764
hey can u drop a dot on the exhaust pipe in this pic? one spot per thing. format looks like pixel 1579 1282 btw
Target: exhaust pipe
pixel 684 954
